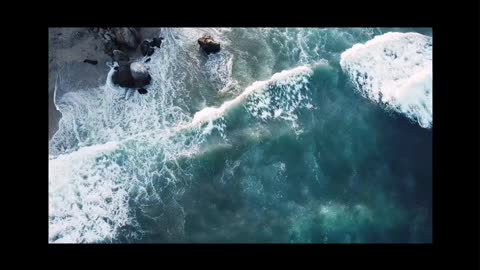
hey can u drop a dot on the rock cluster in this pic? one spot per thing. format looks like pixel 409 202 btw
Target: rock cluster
pixel 120 42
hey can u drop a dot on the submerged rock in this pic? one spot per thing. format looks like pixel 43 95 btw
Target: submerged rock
pixel 93 62
pixel 209 45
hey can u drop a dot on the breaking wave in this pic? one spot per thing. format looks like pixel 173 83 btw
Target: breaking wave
pixel 394 69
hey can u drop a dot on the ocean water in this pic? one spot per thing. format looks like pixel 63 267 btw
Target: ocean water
pixel 308 135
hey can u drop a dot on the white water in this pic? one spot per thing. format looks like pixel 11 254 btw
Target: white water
pixel 115 148
pixel 289 80
pixel 93 181
pixel 87 203
pixel 394 69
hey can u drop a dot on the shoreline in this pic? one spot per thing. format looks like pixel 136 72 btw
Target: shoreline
pixel 67 50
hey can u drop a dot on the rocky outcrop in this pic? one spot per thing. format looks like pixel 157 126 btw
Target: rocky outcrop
pixel 209 45
pixel 132 75
pixel 157 41
pixel 120 56
pixel 123 77
pixel 127 40
pixel 140 74
pixel 126 36
pixel 118 38
pixel 73 52
pixel 146 48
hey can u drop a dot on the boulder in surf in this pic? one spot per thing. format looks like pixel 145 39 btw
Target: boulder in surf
pixel 157 41
pixel 123 76
pixel 140 74
pixel 131 75
pixel 209 45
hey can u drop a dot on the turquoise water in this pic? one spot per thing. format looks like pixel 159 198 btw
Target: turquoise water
pixel 299 156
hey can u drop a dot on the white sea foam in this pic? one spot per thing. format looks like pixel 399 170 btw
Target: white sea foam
pixel 91 179
pixel 116 147
pixel 289 79
pixel 111 113
pixel 87 200
pixel 394 69
pixel 219 71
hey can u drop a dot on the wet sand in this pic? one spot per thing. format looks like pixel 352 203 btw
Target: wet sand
pixel 67 49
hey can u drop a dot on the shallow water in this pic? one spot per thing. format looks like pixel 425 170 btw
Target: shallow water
pixel 271 140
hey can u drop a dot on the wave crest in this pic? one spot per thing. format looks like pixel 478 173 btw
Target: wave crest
pixel 394 69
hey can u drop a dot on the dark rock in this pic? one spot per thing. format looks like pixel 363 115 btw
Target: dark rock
pixel 148 60
pixel 157 42
pixel 134 75
pixel 146 48
pixel 142 91
pixel 209 45
pixel 140 74
pixel 120 56
pixel 126 36
pixel 123 76
pixel 109 46
pixel 136 33
pixel 119 38
pixel 93 62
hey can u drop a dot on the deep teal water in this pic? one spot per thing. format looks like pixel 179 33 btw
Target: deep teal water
pixel 346 170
